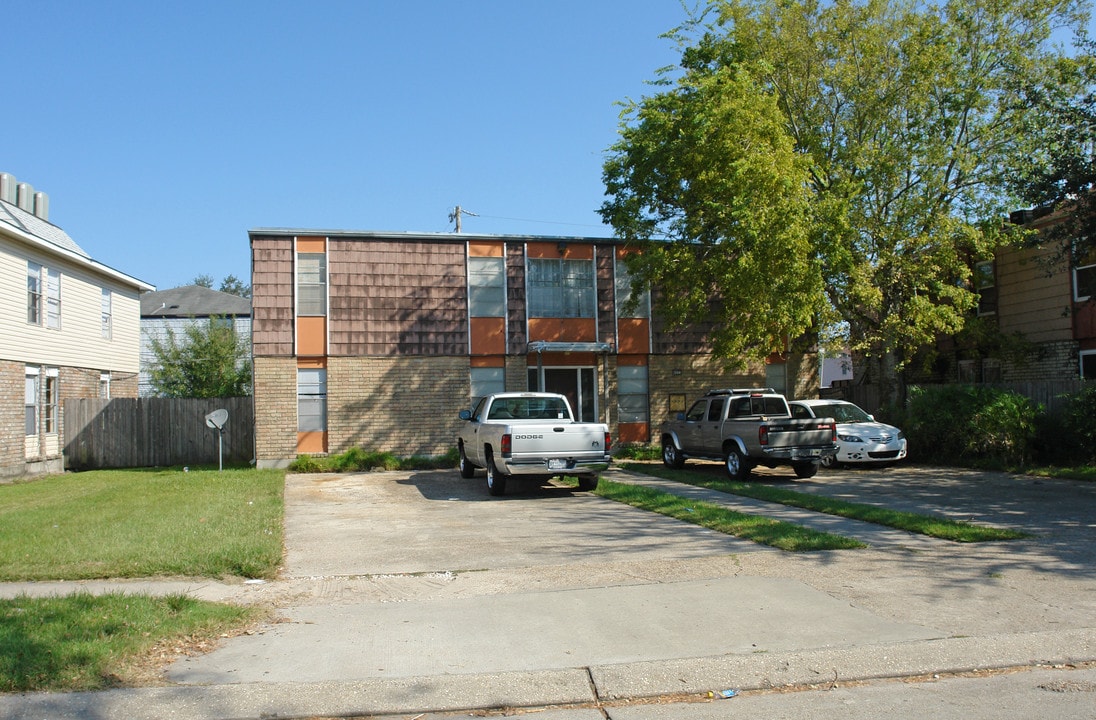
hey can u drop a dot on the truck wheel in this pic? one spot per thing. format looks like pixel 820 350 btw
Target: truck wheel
pixel 671 456
pixel 737 467
pixel 587 483
pixel 805 470
pixel 467 469
pixel 496 481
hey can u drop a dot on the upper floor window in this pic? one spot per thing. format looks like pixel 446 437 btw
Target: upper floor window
pixel 486 287
pixel 624 295
pixel 105 314
pixel 312 284
pixel 985 284
pixel 53 298
pixel 1084 277
pixel 34 293
pixel 561 288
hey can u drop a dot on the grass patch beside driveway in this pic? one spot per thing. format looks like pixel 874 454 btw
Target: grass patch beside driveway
pixel 127 524
pixel 759 529
pixel 929 525
pixel 142 523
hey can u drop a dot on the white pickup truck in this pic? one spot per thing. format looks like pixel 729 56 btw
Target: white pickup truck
pixel 532 435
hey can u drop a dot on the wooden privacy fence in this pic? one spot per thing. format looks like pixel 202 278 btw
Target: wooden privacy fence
pixel 155 432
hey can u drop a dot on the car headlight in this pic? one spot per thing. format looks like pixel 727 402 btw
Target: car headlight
pixel 849 438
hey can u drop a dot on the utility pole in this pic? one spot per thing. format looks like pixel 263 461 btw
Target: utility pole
pixel 457 212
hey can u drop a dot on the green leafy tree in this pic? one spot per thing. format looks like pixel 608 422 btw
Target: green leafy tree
pixel 234 286
pixel 906 120
pixel 208 361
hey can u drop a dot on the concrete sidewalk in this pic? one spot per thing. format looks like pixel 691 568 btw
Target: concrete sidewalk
pixel 555 598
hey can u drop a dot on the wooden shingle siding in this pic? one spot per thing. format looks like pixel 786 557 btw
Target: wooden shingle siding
pixel 397 298
pixel 517 337
pixel 606 295
pixel 1029 300
pixel 272 296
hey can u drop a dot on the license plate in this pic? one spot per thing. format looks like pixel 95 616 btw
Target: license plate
pixel 557 464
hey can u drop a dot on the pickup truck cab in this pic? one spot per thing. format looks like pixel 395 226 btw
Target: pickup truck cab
pixel 532 435
pixel 747 427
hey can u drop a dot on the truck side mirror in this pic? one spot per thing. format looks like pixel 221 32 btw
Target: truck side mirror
pixel 680 416
pixel 465 414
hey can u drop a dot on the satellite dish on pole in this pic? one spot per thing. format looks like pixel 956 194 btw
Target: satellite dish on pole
pixel 216 420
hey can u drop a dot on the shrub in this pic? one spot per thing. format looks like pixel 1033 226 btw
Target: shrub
pixel 361 460
pixel 966 423
pixel 1068 436
pixel 638 451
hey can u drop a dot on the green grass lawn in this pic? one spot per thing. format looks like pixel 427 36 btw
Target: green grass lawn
pixel 123 524
pixel 758 528
pixel 930 525
pixel 142 523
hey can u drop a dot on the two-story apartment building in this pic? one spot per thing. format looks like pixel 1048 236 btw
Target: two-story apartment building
pixel 69 328
pixel 170 312
pixel 1036 294
pixel 378 340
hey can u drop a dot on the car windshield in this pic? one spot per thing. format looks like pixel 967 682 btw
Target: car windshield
pixel 841 412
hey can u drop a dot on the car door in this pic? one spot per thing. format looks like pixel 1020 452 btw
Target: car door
pixel 711 429
pixel 690 436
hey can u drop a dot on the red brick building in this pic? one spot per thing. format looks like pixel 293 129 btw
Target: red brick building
pixel 378 340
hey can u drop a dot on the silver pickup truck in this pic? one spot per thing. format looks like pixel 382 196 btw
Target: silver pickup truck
pixel 746 427
pixel 532 435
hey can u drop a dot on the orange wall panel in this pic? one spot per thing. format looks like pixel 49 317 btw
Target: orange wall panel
pixel 634 336
pixel 487 361
pixel 488 335
pixel 544 250
pixel 631 433
pixel 485 248
pixel 563 329
pixel 311 336
pixel 312 442
pixel 311 244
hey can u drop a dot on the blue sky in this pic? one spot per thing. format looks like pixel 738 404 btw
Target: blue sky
pixel 163 131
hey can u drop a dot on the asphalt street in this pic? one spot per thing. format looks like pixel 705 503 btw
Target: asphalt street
pixel 418 595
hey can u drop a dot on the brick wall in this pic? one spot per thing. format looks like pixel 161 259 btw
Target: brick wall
pixel 275 410
pixel 406 406
pixel 691 376
pixel 12 432
pixel 1047 361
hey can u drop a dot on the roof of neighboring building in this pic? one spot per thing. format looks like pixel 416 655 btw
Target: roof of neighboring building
pixel 410 235
pixel 47 237
pixel 193 301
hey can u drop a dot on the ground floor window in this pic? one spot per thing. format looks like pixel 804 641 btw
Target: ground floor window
pixel 50 405
pixel 41 403
pixel 1088 364
pixel 632 393
pixel 30 402
pixel 485 381
pixel 311 400
pixel 578 384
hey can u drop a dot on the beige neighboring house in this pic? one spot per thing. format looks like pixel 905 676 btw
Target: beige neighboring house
pixel 69 328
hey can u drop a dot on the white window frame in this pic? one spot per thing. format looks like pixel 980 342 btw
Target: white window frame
pixel 34 293
pixel 486 287
pixel 311 399
pixel 31 395
pixel 633 405
pixel 104 385
pixel 561 288
pixel 1090 355
pixel 106 314
pixel 1089 269
pixel 53 299
pixel 311 281
pixel 484 381
pixel 51 402
pixel 984 280
pixel 624 292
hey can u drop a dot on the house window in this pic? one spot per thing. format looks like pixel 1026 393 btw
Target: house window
pixel 1084 278
pixel 104 385
pixel 985 284
pixel 30 402
pixel 311 400
pixel 1088 364
pixel 105 314
pixel 485 381
pixel 34 293
pixel 312 284
pixel 486 287
pixel 632 393
pixel 624 294
pixel 561 288
pixel 50 405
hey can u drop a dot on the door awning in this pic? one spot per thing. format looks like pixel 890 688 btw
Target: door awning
pixel 542 346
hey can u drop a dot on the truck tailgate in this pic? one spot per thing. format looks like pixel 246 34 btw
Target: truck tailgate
pixel 799 433
pixel 557 440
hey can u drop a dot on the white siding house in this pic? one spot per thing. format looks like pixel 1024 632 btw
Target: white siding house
pixel 69 327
